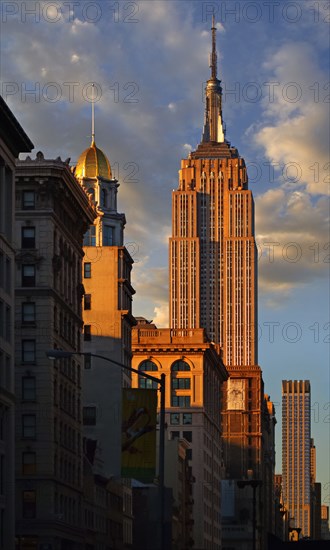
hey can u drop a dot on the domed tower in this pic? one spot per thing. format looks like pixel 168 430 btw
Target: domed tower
pixel 107 312
pixel 93 171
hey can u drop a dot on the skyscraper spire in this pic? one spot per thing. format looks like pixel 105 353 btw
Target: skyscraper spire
pixel 213 126
pixel 213 56
pixel 93 115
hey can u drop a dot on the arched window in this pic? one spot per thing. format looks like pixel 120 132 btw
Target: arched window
pixel 148 365
pixel 145 383
pixel 180 366
pixel 180 381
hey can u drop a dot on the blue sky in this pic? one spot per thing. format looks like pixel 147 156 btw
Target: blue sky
pixel 149 60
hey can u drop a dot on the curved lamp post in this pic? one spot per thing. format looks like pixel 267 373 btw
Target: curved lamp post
pixel 61 354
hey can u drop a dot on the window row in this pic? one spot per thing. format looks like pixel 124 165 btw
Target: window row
pixel 177 366
pixel 107 236
pixel 66 328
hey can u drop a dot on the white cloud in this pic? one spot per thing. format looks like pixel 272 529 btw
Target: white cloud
pixel 292 240
pixel 297 138
pixel 161 316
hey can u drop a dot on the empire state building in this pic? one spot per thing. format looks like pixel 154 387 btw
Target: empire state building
pixel 212 248
pixel 213 278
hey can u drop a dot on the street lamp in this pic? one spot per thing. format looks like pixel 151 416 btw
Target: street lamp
pixel 61 354
pixel 254 483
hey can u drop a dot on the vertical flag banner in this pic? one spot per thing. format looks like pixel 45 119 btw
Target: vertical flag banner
pixel 139 419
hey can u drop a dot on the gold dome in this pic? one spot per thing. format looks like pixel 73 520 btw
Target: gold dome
pixel 92 163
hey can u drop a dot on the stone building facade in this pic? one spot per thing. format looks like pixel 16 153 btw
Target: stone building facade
pixel 52 215
pixel 194 375
pixel 13 140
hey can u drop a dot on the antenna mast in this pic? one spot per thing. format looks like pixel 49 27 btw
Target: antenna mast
pixel 93 114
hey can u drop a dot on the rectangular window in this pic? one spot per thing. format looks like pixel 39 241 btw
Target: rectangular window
pixel 175 418
pixel 87 301
pixel 87 333
pixel 29 504
pixel 28 237
pixel 28 388
pixel 87 270
pixel 28 200
pixel 107 235
pixel 89 416
pixel 28 275
pixel 175 435
pixel 187 436
pixel 180 383
pixel 29 426
pixel 189 454
pixel 87 362
pixel 29 464
pixel 28 312
pixel 90 236
pixel 28 351
pixel 180 400
pixel 187 418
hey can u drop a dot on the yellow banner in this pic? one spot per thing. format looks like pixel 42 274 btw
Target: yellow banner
pixel 139 419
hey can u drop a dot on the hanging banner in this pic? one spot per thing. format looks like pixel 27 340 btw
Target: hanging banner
pixel 139 419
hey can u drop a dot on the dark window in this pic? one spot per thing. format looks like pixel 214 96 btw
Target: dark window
pixel 103 197
pixel 87 333
pixel 29 463
pixel 180 400
pixel 87 301
pixel 89 416
pixel 28 351
pixel 175 418
pixel 175 435
pixel 148 366
pixel 87 362
pixel 187 418
pixel 180 383
pixel 28 388
pixel 107 235
pixel 180 366
pixel 28 237
pixel 90 236
pixel 29 504
pixel 187 436
pixel 28 200
pixel 28 312
pixel 28 275
pixel 148 384
pixel 29 426
pixel 87 270
pixel 189 454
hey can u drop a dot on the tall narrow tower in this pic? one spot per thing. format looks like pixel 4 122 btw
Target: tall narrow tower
pixel 108 321
pixel 296 452
pixel 213 285
pixel 212 248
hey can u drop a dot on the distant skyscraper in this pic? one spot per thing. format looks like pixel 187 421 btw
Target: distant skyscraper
pixel 213 273
pixel 213 285
pixel 296 452
pixel 212 248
